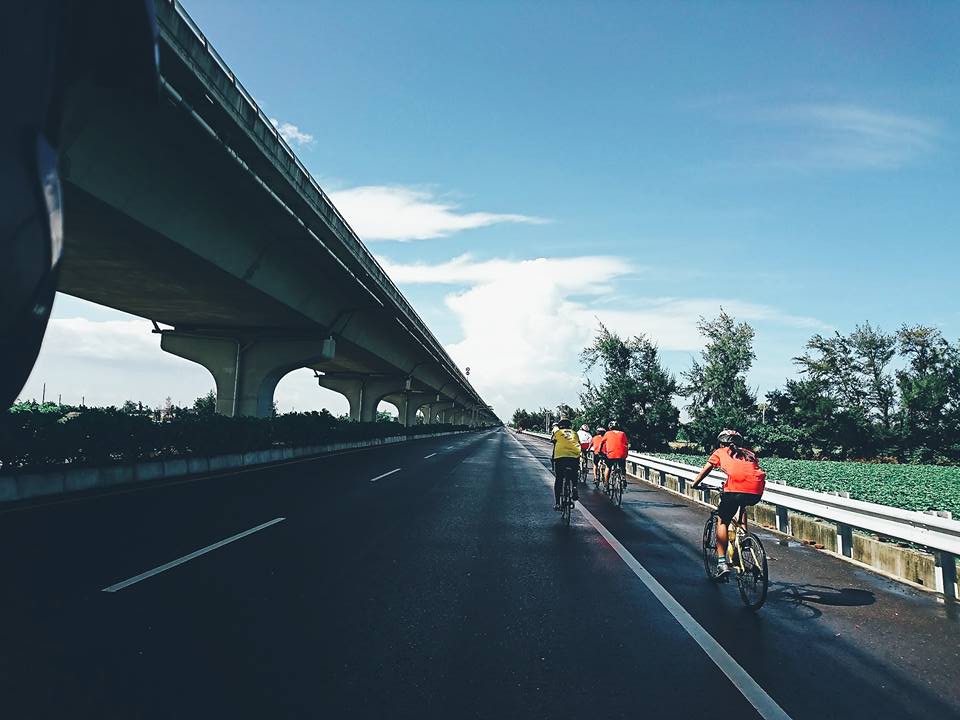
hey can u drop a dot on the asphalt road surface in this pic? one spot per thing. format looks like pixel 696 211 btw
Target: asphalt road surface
pixel 432 579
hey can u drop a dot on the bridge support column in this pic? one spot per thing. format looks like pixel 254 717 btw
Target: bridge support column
pixel 408 403
pixel 350 388
pixel 427 409
pixel 246 370
pixel 444 412
pixel 365 393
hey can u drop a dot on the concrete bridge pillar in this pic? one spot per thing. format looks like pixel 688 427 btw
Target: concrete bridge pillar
pixel 350 388
pixel 429 412
pixel 408 403
pixel 246 370
pixel 445 411
pixel 364 393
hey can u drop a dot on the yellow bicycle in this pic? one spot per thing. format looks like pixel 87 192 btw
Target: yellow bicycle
pixel 745 555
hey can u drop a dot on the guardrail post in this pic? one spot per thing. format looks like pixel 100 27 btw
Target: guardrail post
pixel 945 570
pixel 681 485
pixel 845 540
pixel 783 520
pixel 705 492
pixel 661 478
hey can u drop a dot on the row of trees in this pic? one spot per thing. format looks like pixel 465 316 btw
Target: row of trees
pixel 869 394
pixel 203 406
pixel 634 388
pixel 35 436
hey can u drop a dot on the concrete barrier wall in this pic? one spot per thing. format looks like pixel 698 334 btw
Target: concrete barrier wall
pixel 63 481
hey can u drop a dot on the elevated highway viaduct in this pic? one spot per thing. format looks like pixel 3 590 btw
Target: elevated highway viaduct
pixel 198 216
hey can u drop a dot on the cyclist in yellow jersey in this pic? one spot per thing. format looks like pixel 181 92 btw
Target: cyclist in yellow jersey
pixel 566 459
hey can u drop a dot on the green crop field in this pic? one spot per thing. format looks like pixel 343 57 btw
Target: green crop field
pixel 911 487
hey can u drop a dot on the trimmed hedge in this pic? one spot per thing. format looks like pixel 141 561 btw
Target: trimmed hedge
pixel 37 440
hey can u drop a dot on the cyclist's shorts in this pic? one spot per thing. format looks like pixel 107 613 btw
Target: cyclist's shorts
pixel 617 462
pixel 731 502
pixel 567 465
pixel 599 458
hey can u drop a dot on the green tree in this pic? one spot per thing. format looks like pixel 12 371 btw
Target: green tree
pixel 854 372
pixel 526 420
pixel 635 389
pixel 716 385
pixel 206 405
pixel 874 349
pixel 929 393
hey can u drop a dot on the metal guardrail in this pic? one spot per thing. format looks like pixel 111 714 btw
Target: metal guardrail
pixel 217 76
pixel 941 535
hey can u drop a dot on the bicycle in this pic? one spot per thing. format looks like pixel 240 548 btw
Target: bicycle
pixel 618 482
pixel 746 557
pixel 584 470
pixel 598 466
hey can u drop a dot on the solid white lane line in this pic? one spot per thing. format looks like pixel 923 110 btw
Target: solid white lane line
pixel 765 705
pixel 191 556
pixel 427 457
pixel 378 477
pixel 748 687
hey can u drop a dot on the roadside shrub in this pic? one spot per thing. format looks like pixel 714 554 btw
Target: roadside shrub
pixel 34 437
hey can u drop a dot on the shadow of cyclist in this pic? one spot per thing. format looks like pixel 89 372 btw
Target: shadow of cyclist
pixel 808 596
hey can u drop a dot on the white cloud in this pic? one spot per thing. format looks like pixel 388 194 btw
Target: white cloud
pixel 849 136
pixel 292 134
pixel 108 361
pixel 108 340
pixel 524 322
pixel 381 212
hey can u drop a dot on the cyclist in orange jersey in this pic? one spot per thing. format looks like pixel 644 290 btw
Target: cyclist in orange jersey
pixel 615 446
pixel 743 487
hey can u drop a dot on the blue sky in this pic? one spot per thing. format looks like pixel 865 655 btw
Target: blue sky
pixel 795 163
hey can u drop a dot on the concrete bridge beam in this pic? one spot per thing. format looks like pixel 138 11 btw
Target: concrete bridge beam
pixel 246 370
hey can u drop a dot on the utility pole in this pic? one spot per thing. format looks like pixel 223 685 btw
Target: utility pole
pixel 43 394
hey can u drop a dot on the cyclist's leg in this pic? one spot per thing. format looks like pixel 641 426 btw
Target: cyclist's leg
pixel 571 470
pixel 557 484
pixel 729 505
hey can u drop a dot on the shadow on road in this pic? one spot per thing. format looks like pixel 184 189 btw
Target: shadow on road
pixel 808 596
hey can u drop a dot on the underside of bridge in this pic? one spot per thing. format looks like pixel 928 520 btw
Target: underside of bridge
pixel 175 216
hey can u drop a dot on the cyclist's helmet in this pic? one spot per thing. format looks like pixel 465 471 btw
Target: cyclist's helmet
pixel 585 427
pixel 601 430
pixel 729 437
pixel 564 424
pixel 614 425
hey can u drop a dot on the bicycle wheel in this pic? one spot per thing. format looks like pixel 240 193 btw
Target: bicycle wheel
pixel 617 483
pixel 566 501
pixel 753 579
pixel 710 547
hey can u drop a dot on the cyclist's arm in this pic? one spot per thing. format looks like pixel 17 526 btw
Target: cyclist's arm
pixel 704 471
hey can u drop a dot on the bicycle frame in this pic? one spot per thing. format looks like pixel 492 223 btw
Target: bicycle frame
pixel 735 544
